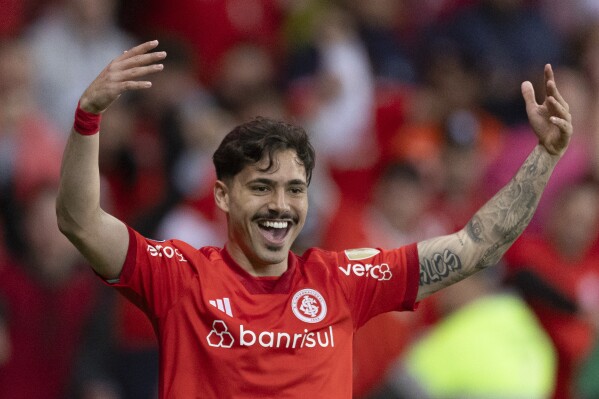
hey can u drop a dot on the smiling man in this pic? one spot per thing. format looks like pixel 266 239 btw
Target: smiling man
pixel 253 319
pixel 266 202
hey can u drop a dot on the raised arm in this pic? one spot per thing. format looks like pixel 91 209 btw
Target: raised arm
pixel 487 236
pixel 100 237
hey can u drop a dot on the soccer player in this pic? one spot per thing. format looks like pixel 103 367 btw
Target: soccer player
pixel 253 319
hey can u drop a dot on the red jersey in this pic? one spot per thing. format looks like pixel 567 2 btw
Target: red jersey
pixel 226 334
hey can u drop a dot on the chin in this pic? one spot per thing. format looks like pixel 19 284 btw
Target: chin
pixel 274 254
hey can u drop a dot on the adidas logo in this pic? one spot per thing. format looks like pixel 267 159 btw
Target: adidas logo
pixel 224 305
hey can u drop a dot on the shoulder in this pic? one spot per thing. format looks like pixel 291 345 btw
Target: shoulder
pixel 170 249
pixel 359 260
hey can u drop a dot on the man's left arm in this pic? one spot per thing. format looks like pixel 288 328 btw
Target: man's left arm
pixel 490 232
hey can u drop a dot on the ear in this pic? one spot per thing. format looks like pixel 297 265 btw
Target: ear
pixel 221 195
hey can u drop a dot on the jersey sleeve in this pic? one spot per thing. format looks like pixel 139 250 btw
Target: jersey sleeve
pixel 155 273
pixel 378 281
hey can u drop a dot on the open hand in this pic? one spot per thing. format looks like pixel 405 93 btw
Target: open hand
pixel 550 120
pixel 121 75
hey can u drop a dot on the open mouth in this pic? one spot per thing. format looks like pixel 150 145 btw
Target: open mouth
pixel 274 231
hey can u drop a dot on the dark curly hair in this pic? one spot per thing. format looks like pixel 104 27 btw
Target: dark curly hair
pixel 249 142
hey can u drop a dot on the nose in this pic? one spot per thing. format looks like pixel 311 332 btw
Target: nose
pixel 278 201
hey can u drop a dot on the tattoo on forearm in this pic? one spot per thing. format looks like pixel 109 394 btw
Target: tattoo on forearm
pixel 503 219
pixel 460 239
pixel 475 229
pixel 438 267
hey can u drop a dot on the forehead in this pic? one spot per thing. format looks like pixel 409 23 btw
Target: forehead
pixel 284 165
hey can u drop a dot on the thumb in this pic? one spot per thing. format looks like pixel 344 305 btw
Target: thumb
pixel 528 92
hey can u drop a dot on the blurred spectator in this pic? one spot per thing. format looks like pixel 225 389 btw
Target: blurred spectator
pixel 245 71
pixel 558 274
pixel 340 117
pixel 488 345
pixel 380 24
pixel 71 43
pixel 30 147
pixel 48 297
pixel 507 40
pixel 585 50
pixel 211 27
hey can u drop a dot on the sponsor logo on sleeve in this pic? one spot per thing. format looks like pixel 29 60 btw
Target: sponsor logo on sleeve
pixel 380 272
pixel 160 250
pixel 361 253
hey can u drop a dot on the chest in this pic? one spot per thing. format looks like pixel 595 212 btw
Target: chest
pixel 225 311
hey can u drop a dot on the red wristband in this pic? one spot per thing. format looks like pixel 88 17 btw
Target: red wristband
pixel 86 123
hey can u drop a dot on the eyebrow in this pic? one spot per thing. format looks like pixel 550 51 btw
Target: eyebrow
pixel 263 180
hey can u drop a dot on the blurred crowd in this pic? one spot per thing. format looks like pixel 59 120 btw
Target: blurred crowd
pixel 415 110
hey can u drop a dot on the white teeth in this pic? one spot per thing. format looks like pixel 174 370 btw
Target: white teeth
pixel 275 225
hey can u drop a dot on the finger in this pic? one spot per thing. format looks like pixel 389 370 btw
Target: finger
pixel 139 49
pixel 554 92
pixel 549 76
pixel 551 86
pixel 135 85
pixel 135 73
pixel 557 109
pixel 528 93
pixel 563 125
pixel 141 60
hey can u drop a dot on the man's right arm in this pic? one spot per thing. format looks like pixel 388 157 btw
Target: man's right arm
pixel 100 237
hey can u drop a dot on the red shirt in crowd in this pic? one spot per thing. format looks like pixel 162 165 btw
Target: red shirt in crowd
pixel 572 335
pixel 46 326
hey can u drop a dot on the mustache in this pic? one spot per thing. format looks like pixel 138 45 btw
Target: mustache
pixel 273 214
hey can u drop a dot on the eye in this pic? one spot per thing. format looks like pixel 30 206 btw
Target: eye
pixel 297 190
pixel 260 188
